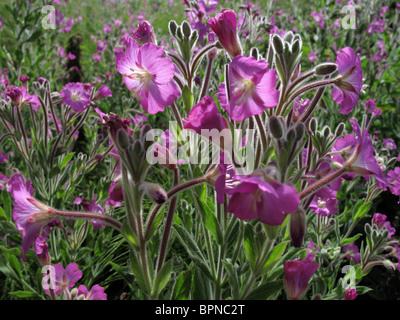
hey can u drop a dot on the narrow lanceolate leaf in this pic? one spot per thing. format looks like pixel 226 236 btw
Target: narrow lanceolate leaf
pixel 162 278
pixel 266 290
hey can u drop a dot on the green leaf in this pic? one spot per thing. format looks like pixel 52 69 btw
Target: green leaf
pixel 274 256
pixel 23 294
pixel 350 240
pixel 265 290
pixel 15 264
pixel 183 285
pixel 249 245
pixel 67 159
pixel 129 235
pixel 162 278
pixel 362 210
pixel 137 271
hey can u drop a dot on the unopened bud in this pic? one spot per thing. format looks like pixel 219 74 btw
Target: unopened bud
pixel 313 125
pixel 296 46
pixel 389 265
pixel 74 293
pixel 300 130
pixel 276 127
pixel 155 192
pixel 297 227
pixel 325 69
pixel 172 26
pixel 326 132
pixel 278 44
pixel 186 29
pixel 288 37
pixel 340 129
pixel 254 52
pixel 122 138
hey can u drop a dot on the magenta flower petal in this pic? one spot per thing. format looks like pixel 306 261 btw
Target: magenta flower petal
pixel 348 87
pixel 30 215
pixel 95 293
pixel 148 75
pixel 252 88
pixel 76 96
pixel 297 275
pixel 269 200
pixel 224 26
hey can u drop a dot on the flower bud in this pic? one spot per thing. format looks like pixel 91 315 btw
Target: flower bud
pixel 276 127
pixel 340 129
pixel 122 138
pixel 326 132
pixel 325 69
pixel 277 44
pixel 288 37
pixel 298 227
pixel 173 26
pixel 300 130
pixel 254 52
pixel 313 125
pixel 186 29
pixel 155 192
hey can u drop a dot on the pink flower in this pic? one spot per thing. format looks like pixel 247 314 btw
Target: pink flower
pixel 117 23
pixel 312 56
pixel 103 91
pixel 389 144
pixel 71 56
pixel 252 88
pixel 30 215
pixel 95 293
pixel 101 46
pixel 349 85
pixel 224 25
pixel 75 96
pixel 106 29
pixel 268 200
pixel 145 33
pixel 207 6
pixel 91 206
pixel 148 75
pixel 297 275
pixel 96 57
pixel 352 252
pixel 65 279
pixel 205 115
pixel 3 157
pixel 350 294
pixel 3 181
pixel 19 96
pixel 357 152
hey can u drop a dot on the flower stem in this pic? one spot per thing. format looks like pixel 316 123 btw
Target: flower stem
pixel 93 216
pixel 168 224
pixel 206 80
pixel 322 183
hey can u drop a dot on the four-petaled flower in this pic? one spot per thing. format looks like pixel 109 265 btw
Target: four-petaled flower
pixel 75 95
pixel 252 88
pixel 349 85
pixel 148 75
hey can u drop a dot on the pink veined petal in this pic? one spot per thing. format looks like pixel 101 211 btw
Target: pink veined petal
pixel 131 84
pixel 124 63
pixel 163 70
pixel 245 68
pixel 148 56
pixel 350 100
pixel 160 96
pixel 345 59
pixel 132 48
pixel 241 205
pixel 266 89
pixel 73 274
pixel 337 95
